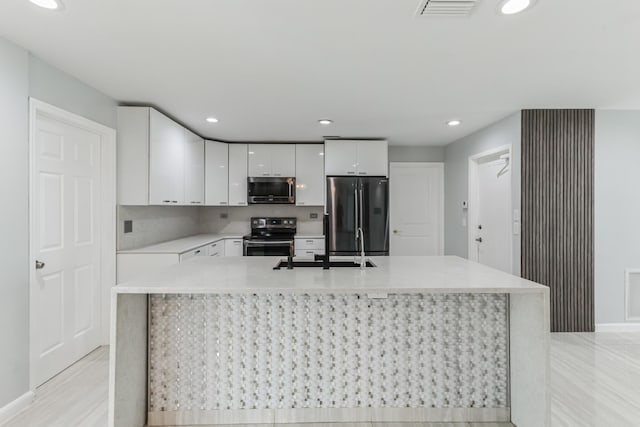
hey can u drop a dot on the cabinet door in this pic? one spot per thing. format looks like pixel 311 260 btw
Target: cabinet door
pixel 233 247
pixel 193 169
pixel 373 158
pixel 309 175
pixel 216 173
pixel 259 160
pixel 237 174
pixel 166 160
pixel 340 158
pixel 283 159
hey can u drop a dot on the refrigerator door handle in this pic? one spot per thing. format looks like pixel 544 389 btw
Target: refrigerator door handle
pixel 357 216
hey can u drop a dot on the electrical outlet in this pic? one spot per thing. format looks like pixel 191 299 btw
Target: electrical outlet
pixel 128 226
pixel 313 215
pixel 224 215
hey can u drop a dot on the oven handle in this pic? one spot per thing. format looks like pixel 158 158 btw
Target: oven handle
pixel 269 243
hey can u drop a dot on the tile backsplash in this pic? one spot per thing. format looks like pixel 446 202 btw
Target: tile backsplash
pixel 237 219
pixel 155 224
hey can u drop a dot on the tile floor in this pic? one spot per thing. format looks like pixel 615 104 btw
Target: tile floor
pixel 595 382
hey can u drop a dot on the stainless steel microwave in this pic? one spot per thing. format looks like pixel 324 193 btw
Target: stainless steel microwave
pixel 271 191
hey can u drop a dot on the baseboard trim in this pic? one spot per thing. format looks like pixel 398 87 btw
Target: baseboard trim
pixel 618 327
pixel 13 408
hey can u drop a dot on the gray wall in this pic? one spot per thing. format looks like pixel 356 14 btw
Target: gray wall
pixel 456 170
pixel 55 87
pixel 399 153
pixel 14 227
pixel 617 209
pixel 23 75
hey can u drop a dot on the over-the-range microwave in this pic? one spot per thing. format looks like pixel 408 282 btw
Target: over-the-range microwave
pixel 271 190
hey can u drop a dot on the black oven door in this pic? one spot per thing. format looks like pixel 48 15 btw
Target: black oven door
pixel 268 247
pixel 271 191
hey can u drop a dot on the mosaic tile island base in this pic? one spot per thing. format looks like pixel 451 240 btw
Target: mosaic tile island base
pixel 230 341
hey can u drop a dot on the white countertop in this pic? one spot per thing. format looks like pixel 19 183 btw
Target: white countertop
pixel 180 246
pixel 392 275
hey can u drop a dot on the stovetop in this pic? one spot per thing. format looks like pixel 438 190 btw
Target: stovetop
pixel 272 228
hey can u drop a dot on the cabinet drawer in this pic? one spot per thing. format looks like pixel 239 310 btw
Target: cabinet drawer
pixel 309 244
pixel 202 251
pixel 309 253
pixel 216 249
pixel 233 247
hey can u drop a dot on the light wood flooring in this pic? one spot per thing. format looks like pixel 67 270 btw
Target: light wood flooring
pixel 595 382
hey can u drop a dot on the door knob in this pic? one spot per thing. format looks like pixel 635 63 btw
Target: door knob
pixel 479 240
pixel 39 265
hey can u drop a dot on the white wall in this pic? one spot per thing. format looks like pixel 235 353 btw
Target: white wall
pixel 53 86
pixel 398 153
pixel 617 208
pixel 23 75
pixel 456 170
pixel 14 226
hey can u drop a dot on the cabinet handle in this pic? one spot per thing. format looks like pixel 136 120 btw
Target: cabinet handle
pixel 351 172
pixel 300 203
pixel 277 174
pixel 196 203
pixel 309 241
pixel 223 203
pixel 265 174
pixel 197 252
pixel 242 203
pixel 362 173
pixel 215 254
pixel 174 201
pixel 166 201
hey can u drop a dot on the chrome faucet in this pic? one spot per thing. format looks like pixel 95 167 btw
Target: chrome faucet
pixel 363 261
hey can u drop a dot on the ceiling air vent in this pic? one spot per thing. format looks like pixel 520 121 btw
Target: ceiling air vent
pixel 446 7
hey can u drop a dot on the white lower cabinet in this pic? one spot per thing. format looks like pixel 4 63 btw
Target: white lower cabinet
pixel 216 249
pixel 309 247
pixel 202 251
pixel 233 247
pixel 131 265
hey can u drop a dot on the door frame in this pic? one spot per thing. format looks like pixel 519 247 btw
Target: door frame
pixel 108 213
pixel 426 165
pixel 472 207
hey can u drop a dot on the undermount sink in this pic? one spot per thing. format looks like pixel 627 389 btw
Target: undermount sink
pixel 283 264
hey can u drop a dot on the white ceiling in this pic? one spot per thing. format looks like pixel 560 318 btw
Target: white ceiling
pixel 268 69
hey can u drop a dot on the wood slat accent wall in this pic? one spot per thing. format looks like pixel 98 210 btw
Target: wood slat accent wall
pixel 557 212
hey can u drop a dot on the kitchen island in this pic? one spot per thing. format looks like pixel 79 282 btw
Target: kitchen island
pixel 228 341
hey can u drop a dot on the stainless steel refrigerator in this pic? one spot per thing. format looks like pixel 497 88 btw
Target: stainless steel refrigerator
pixel 354 204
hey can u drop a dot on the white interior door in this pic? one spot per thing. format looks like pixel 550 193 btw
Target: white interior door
pixel 416 208
pixel 491 228
pixel 66 239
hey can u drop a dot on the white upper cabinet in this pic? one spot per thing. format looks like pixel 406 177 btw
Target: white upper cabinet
pixel 356 158
pixel 310 176
pixel 272 160
pixel 341 158
pixel 283 160
pixel 166 160
pixel 259 160
pixel 193 169
pixel 237 174
pixel 216 173
pixel 373 158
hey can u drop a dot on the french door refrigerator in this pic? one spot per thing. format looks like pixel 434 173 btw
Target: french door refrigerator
pixel 354 204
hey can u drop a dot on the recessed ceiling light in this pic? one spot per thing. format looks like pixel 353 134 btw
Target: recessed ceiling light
pixel 454 122
pixel 49 4
pixel 511 7
pixel 212 120
pixel 325 121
